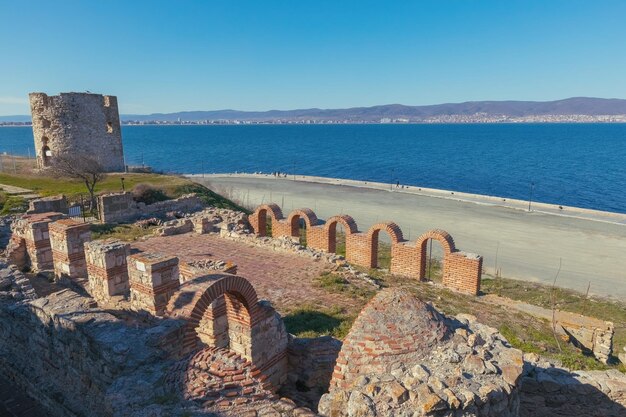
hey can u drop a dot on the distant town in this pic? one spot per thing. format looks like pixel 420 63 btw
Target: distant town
pixel 474 118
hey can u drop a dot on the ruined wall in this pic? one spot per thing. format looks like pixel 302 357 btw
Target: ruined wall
pixel 461 271
pixel 120 207
pixel 107 268
pixel 55 204
pixel 77 123
pixel 67 240
pixel 30 241
pixel 222 310
pixel 82 361
pixel 153 279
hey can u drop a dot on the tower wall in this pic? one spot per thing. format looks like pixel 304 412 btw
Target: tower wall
pixel 77 123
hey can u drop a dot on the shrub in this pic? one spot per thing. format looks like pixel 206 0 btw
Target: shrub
pixel 144 193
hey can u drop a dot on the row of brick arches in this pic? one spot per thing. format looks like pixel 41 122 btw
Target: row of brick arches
pixel 461 271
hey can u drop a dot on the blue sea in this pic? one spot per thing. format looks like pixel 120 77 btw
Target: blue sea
pixel 581 165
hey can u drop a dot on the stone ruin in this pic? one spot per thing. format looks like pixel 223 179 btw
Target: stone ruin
pixel 77 123
pixel 121 207
pixel 403 358
pixel 156 336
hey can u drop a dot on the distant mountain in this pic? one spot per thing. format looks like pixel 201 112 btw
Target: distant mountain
pixel 586 106
pixel 577 105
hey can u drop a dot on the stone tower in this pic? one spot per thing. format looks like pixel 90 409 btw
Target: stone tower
pixel 77 123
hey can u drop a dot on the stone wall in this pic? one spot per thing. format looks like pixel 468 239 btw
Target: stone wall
pixel 67 240
pixel 55 204
pixel 120 207
pixel 82 361
pixel 461 271
pixel 311 366
pixel 77 124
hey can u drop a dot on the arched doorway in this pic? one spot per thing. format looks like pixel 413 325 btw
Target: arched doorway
pixel 433 258
pixel 263 219
pixel 46 153
pixel 338 228
pixel 381 249
pixel 300 221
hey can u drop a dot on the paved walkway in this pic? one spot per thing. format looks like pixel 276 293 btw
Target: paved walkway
pixel 283 278
pixel 591 245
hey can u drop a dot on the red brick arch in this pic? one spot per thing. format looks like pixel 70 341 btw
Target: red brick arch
pixel 392 229
pixel 258 219
pixel 194 298
pixel 443 237
pixel 310 219
pixel 330 230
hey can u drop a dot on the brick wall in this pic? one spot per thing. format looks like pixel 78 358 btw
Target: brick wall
pixel 107 268
pixel 223 310
pixel 32 231
pixel 67 240
pixel 461 272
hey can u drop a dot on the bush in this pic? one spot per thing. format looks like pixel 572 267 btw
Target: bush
pixel 144 193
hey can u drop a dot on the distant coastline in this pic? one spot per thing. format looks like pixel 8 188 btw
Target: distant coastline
pixel 569 110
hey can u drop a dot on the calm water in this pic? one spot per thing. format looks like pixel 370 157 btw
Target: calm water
pixel 580 165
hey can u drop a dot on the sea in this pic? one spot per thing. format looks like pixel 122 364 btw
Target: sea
pixel 581 165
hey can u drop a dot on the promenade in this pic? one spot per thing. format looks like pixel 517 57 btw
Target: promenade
pixel 591 245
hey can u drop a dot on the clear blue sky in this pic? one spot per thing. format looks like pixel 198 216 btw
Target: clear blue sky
pixel 161 56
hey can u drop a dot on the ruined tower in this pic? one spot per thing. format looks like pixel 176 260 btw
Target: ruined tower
pixel 77 123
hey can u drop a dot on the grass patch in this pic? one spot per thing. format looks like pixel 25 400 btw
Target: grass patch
pixel 172 186
pixel 124 232
pixel 338 285
pixel 567 300
pixel 312 321
pixel 12 204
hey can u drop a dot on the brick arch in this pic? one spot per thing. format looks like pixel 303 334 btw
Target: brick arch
pixel 330 231
pixel 392 229
pixel 258 219
pixel 447 242
pixel 193 299
pixel 310 219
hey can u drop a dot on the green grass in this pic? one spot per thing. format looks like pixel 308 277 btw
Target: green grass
pixel 11 204
pixel 172 186
pixel 125 232
pixel 336 284
pixel 566 300
pixel 313 321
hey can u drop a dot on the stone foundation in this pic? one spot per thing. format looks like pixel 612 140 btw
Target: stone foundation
pixel 153 279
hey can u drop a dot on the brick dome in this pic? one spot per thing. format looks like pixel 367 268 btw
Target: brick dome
pixel 402 357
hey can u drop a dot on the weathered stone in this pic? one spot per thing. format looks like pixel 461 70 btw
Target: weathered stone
pixel 77 123
pixel 360 405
